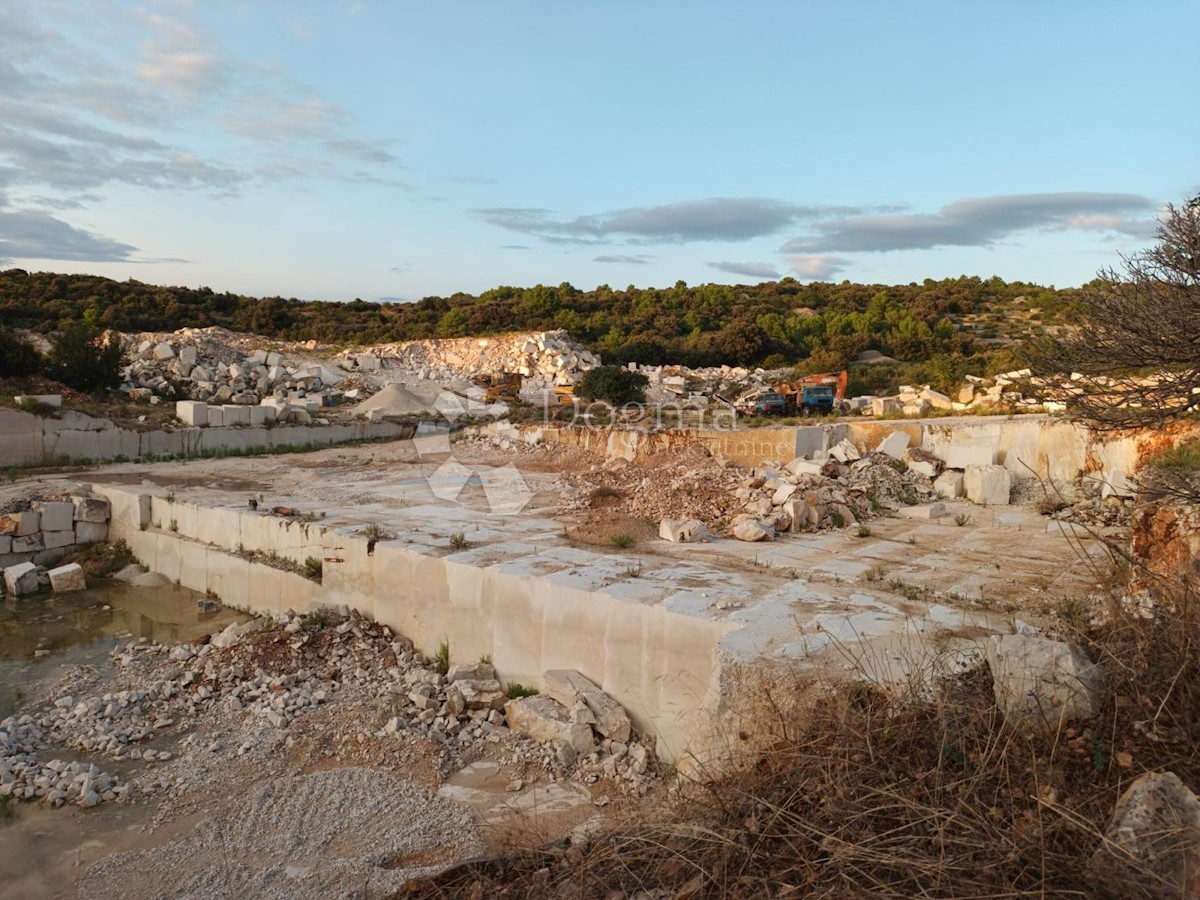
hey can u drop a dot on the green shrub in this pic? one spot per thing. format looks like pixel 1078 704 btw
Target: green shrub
pixel 516 691
pixel 17 357
pixel 441 662
pixel 612 384
pixel 624 540
pixel 79 360
pixel 313 568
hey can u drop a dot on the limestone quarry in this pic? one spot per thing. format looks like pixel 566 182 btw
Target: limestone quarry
pixel 459 634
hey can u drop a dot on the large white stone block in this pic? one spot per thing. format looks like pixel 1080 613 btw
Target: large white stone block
pixel 52 540
pixel 191 412
pixel 163 352
pixel 67 578
pixel 894 445
pixel 216 417
pixel 544 719
pixel 21 579
pixel 236 415
pixel 1042 683
pixel 949 484
pixel 959 456
pixel 988 485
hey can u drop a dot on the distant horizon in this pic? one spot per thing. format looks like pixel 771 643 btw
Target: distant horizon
pixel 357 148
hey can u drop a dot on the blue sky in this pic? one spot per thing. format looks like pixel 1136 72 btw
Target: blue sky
pixel 395 150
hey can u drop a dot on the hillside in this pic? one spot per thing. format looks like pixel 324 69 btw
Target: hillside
pixel 821 326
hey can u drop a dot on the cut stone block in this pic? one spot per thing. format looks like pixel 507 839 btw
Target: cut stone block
pixel 683 531
pixel 21 579
pixel 988 485
pixel 924 511
pixel 52 540
pixel 569 688
pixel 1042 683
pixel 937 399
pixel 801 466
pixel 92 509
pixel 543 719
pixel 894 445
pixel 216 417
pixel 192 412
pixel 91 532
pixel 236 415
pixel 959 456
pixel 67 578
pixel 19 524
pixel 5 545
pixel 163 351
pixel 187 355
pixel 30 543
pixel 258 414
pixel 56 515
pixel 882 406
pixel 949 485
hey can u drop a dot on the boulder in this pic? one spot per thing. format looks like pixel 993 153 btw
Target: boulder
pixel 56 515
pixel 802 466
pixel 544 719
pixel 797 513
pixel 949 485
pixel 67 578
pixel 937 399
pixel 783 493
pixel 922 463
pixel 845 452
pixel 759 507
pixel 894 445
pixel 21 579
pixel 479 671
pixel 482 694
pixel 163 352
pixel 1152 845
pixel 570 688
pixel 753 530
pixel 683 531
pixel 988 485
pixel 1039 682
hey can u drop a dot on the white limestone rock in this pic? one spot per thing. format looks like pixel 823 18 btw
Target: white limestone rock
pixel 1152 841
pixel 753 530
pixel 67 578
pixel 570 688
pixel 683 531
pixel 544 719
pixel 1041 683
pixel 894 445
pixel 949 485
pixel 21 579
pixel 988 485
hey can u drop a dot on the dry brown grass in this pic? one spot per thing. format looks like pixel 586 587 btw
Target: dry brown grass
pixel 871 793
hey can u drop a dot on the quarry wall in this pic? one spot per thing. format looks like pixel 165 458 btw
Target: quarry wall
pixel 663 667
pixel 32 440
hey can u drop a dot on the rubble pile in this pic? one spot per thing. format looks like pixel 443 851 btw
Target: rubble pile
pixel 544 359
pixel 687 484
pixel 837 492
pixel 218 367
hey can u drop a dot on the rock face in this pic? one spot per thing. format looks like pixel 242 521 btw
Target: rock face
pixel 1043 683
pixel 683 531
pixel 544 719
pixel 1152 845
pixel 988 485
pixel 67 578
pixel 570 689
pixel 21 579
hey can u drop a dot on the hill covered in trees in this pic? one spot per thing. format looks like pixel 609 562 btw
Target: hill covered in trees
pixel 780 323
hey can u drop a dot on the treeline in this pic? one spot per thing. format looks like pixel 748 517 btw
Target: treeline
pixel 819 326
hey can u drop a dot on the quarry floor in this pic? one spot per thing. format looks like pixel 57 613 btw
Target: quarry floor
pixel 966 572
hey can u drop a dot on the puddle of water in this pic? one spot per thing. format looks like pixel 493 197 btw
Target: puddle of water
pixel 528 817
pixel 43 849
pixel 41 635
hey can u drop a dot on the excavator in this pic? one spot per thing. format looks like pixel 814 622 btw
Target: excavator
pixel 499 386
pixel 819 394
pixel 811 395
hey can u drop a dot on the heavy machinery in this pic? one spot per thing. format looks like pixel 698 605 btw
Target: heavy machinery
pixel 499 386
pixel 564 394
pixel 816 394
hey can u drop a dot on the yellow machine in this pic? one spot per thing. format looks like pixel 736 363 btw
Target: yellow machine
pixel 500 386
pixel 564 393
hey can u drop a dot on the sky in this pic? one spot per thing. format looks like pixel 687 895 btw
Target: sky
pixel 387 149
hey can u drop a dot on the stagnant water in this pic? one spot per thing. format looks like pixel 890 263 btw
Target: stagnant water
pixel 40 637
